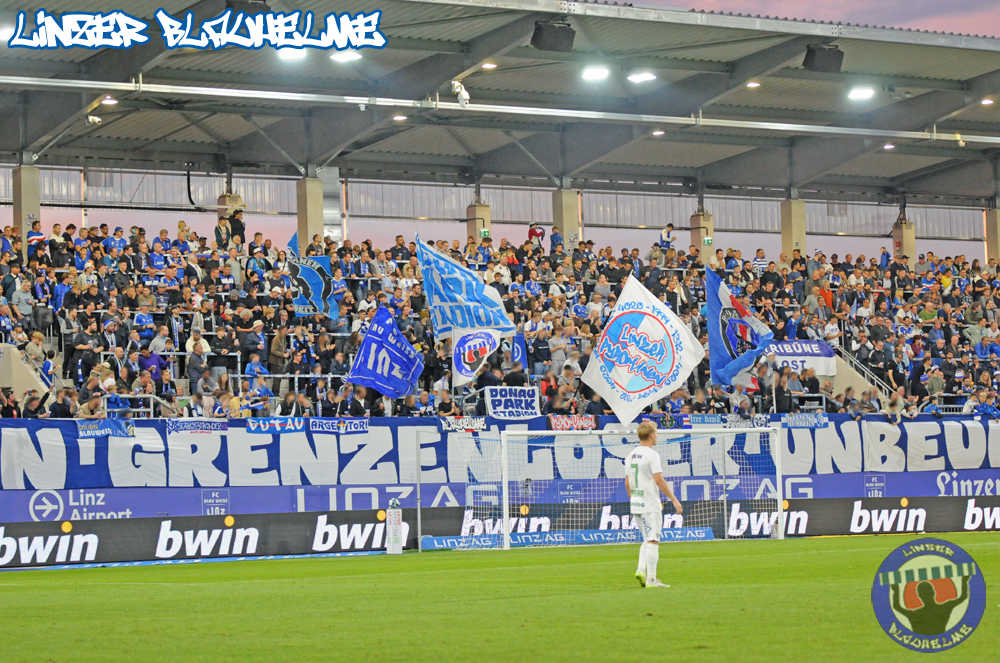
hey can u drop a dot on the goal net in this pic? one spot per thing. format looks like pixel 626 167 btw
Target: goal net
pixel 548 488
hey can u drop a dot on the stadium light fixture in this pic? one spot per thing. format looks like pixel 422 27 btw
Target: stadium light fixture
pixel 595 73
pixel 642 77
pixel 346 56
pixel 888 146
pixel 861 93
pixel 987 102
pixel 292 53
pixel 659 132
pixel 753 85
pixel 109 100
pixel 489 65
pixel 399 118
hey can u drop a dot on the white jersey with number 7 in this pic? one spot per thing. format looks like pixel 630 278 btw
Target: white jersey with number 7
pixel 641 465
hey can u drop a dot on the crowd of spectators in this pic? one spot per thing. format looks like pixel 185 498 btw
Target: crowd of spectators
pixel 207 325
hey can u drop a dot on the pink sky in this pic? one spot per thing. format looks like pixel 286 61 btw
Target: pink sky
pixel 980 17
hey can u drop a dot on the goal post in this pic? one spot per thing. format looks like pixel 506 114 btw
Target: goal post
pixel 546 488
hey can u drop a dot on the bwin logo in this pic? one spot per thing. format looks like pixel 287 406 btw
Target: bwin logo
pixel 38 549
pixel 202 543
pixel 351 536
pixel 611 521
pixel 762 523
pixel 882 520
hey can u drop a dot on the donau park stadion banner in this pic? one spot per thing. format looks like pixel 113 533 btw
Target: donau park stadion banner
pixel 52 470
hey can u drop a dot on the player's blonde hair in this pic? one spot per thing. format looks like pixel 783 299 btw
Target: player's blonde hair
pixel 645 431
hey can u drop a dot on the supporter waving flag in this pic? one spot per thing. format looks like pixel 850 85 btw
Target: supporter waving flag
pixel 458 300
pixel 735 337
pixel 644 353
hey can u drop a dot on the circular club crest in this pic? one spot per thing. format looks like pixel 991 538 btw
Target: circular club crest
pixel 738 336
pixel 471 350
pixel 929 595
pixel 638 343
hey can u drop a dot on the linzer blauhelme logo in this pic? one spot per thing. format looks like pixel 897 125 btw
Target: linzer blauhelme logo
pixel 637 352
pixel 118 29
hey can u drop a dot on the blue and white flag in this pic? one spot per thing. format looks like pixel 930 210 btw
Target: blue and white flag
pixel 735 337
pixel 86 428
pixel 519 351
pixel 470 351
pixel 386 361
pixel 645 352
pixel 803 355
pixel 311 282
pixel 458 301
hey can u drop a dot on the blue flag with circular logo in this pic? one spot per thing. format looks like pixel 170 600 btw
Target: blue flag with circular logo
pixel 735 338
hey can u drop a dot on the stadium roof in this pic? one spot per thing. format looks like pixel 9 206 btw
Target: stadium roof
pixel 533 119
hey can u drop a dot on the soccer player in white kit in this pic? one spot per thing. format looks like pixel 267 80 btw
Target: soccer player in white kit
pixel 644 481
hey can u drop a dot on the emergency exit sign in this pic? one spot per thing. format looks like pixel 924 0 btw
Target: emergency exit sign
pixel 706 241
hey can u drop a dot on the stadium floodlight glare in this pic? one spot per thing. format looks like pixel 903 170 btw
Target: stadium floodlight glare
pixel 399 118
pixel 659 132
pixel 489 65
pixel 861 93
pixel 109 100
pixel 987 102
pixel 888 146
pixel 595 73
pixel 292 53
pixel 346 56
pixel 8 24
pixel 642 77
pixel 753 84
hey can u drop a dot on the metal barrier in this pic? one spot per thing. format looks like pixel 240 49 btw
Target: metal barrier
pixel 148 412
pixel 864 371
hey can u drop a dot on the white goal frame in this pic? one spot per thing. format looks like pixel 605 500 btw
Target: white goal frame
pixel 774 431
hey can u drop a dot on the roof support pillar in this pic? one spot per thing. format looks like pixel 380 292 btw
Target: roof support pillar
pixel 309 209
pixel 27 201
pixel 703 233
pixel 793 227
pixel 566 217
pixel 904 236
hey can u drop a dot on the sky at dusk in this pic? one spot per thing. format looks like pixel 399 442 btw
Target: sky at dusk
pixel 980 17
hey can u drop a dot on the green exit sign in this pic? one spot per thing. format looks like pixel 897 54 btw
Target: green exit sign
pixel 706 241
pixel 484 232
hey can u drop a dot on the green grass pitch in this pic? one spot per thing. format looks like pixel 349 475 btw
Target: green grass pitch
pixel 793 600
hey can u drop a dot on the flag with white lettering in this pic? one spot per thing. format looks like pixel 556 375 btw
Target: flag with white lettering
pixel 645 353
pixel 457 299
pixel 512 403
pixel 386 361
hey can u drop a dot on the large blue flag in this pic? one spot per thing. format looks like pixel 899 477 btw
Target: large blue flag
pixel 312 283
pixel 386 361
pixel 735 337
pixel 458 301
pixel 519 351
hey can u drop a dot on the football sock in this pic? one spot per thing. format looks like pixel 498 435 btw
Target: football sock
pixel 642 557
pixel 652 557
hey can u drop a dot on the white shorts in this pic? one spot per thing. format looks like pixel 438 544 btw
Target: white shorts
pixel 650 525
